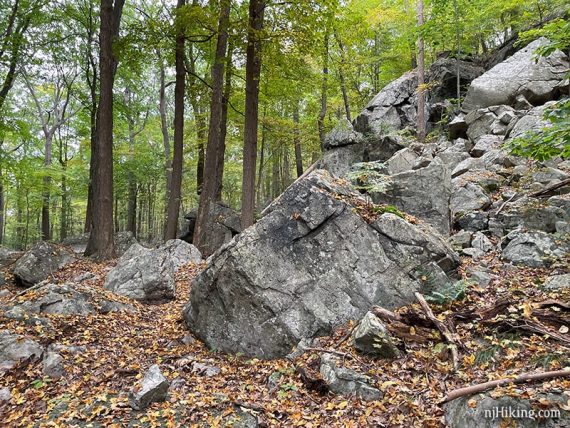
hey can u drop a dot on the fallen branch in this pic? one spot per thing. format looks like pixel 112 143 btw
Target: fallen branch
pixel 451 338
pixel 480 387
pixel 504 204
pixel 547 190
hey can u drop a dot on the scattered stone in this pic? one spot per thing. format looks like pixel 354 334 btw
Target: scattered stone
pixel 458 127
pixel 461 239
pixel 15 349
pixel 205 370
pixel 472 221
pixel 533 249
pixel 474 253
pixel 37 264
pixel 467 196
pixel 557 282
pixel 5 395
pixel 403 160
pixel 485 144
pixel 310 265
pixel 345 381
pixel 153 388
pixel 481 275
pixel 53 365
pixel 8 256
pixel 372 337
pixel 481 242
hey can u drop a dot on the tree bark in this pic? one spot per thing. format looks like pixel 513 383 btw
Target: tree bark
pixel 297 142
pixel 179 91
pixel 204 220
pixel 341 75
pixel 252 75
pixel 2 203
pixel 165 136
pixel 101 245
pixel 46 230
pixel 324 89
pixel 421 77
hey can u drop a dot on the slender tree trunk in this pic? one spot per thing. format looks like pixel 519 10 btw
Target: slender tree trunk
pixel 2 204
pixel 341 75
pixel 458 51
pixel 252 75
pixel 131 179
pixel 376 65
pixel 179 91
pixel 275 178
pixel 261 160
pixel 421 77
pixel 324 89
pixel 204 220
pixel 101 243
pixel 224 125
pixel 297 141
pixel 286 167
pixel 46 230
pixel 64 220
pixel 165 136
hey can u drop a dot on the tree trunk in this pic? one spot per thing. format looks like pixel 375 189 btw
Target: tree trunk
pixel 324 88
pixel 341 75
pixel 165 136
pixel 101 243
pixel 64 220
pixel 179 90
pixel 46 230
pixel 261 160
pixel 2 197
pixel 297 141
pixel 204 220
pixel 421 77
pixel 252 75
pixel 224 126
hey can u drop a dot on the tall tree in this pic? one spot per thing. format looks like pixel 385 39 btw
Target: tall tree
pixel 421 76
pixel 252 75
pixel 179 92
pixel 297 142
pixel 101 243
pixel 324 89
pixel 209 185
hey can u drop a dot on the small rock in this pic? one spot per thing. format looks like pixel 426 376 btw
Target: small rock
pixel 474 253
pixel 205 370
pixel 177 384
pixel 473 221
pixel 5 293
pixel 372 337
pixel 53 365
pixel 481 242
pixel 461 239
pixel 85 276
pixel 188 339
pixel 481 275
pixel 153 388
pixel 5 395
pixel 346 381
pixel 562 227
pixel 15 348
pixel 557 282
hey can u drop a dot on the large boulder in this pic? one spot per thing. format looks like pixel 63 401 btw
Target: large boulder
pixel 40 262
pixel 8 256
pixel 311 264
pixel 225 226
pixel 148 274
pixel 423 193
pixel 15 349
pixel 537 79
pixel 534 249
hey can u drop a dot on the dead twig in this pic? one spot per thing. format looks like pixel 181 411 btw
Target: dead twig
pixel 480 387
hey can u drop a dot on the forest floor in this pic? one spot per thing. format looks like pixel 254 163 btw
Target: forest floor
pixel 120 346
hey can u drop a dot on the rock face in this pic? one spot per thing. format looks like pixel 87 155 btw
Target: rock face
pixel 538 81
pixel 423 193
pixel 148 274
pixel 372 337
pixel 346 381
pixel 311 264
pixel 226 225
pixel 153 388
pixel 40 262
pixel 8 256
pixel 15 348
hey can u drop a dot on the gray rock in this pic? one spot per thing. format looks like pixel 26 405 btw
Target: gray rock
pixel 493 120
pixel 423 193
pixel 403 160
pixel 485 144
pixel 533 120
pixel 78 243
pixel 148 274
pixel 467 196
pixel 15 349
pixel 548 175
pixel 472 221
pixel 342 135
pixel 5 293
pixel 308 266
pixel 372 337
pixel 534 214
pixel 205 370
pixel 458 127
pixel 5 395
pixel 481 242
pixel 153 388
pixel 538 80
pixel 8 256
pixel 474 253
pixel 521 103
pixel 489 412
pixel 345 381
pixel 40 262
pixel 562 227
pixel 534 249
pixel 461 239
pixel 557 282
pixel 481 275
pixel 53 365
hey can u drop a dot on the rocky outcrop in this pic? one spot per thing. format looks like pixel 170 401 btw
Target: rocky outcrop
pixel 311 264
pixel 148 274
pixel 537 79
pixel 40 262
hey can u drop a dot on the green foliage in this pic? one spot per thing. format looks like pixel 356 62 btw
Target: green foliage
pixel 451 293
pixel 549 142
